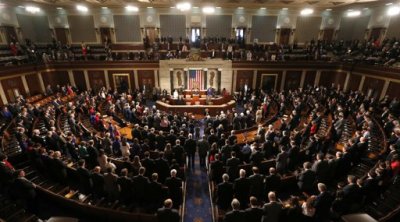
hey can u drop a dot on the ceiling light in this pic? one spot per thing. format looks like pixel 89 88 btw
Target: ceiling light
pixel 218 7
pixel 82 8
pixel 389 3
pixel 353 13
pixel 149 7
pixel 183 6
pixel 240 7
pixel 172 7
pixel 328 9
pixel 394 10
pixel 284 8
pixel 59 8
pixel 263 8
pixel 32 9
pixel 195 7
pixel 208 10
pixel 365 8
pixel 104 7
pixel 20 6
pixel 131 8
pixel 306 11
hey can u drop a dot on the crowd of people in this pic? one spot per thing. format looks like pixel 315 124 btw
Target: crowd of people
pixel 147 169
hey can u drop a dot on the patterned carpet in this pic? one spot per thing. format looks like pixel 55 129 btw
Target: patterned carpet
pixel 198 203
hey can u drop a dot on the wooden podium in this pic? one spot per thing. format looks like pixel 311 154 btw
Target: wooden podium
pixel 195 98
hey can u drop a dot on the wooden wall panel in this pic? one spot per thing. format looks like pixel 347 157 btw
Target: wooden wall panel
pixel 309 78
pixel 131 77
pixel 55 78
pixel 332 77
pixel 33 84
pixel 97 79
pixel 292 80
pixel 376 85
pixel 146 77
pixel 393 90
pixel 269 72
pixel 10 84
pixel 354 82
pixel 244 77
pixel 79 78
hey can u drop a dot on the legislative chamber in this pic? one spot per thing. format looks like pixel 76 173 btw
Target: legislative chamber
pixel 199 111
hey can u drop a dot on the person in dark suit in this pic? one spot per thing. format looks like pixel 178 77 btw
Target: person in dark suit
pixel 216 169
pixel 202 148
pixel 155 193
pixel 224 193
pixel 322 203
pixel 98 182
pixel 167 214
pixel 236 215
pixel 110 185
pixel 321 168
pixel 257 183
pixel 190 149
pixel 85 180
pixel 60 169
pixel 306 179
pixel 233 166
pixel 272 210
pixel 6 172
pixel 93 154
pixel 272 181
pixel 148 164
pixel 25 190
pixel 174 185
pixel 352 192
pixel 161 167
pixel 254 213
pixel 139 187
pixel 241 188
pixel 178 153
pixel 125 185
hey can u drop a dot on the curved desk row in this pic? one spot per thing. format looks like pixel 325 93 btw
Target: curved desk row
pixel 196 109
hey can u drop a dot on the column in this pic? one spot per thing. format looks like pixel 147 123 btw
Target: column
pixel 85 73
pixel 25 83
pixel 156 79
pixel 234 81
pixel 317 77
pixel 41 82
pixel 283 80
pixel 346 82
pixel 135 77
pixel 3 95
pixel 384 89
pixel 254 79
pixel 107 79
pixel 360 87
pixel 205 78
pixel 71 78
pixel 303 77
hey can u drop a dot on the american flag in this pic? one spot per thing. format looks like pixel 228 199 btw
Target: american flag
pixel 195 79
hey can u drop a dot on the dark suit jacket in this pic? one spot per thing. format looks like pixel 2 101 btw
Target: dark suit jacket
pixel 253 214
pixel 162 168
pixel 233 168
pixel 155 194
pixel 234 216
pixel 190 146
pixel 85 181
pixel 272 212
pixel 167 215
pixel 241 189
pixel 174 185
pixel 125 184
pixel 257 185
pixel 321 168
pixel 306 180
pixel 322 205
pixel 24 188
pixel 224 195
pixel 272 183
pixel 216 170
pixel 98 184
pixel 139 187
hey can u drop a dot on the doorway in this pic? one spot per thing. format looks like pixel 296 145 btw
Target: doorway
pixel 268 82
pixel 61 35
pixel 328 35
pixel 285 36
pixel 122 82
pixel 10 34
pixel 151 35
pixel 105 34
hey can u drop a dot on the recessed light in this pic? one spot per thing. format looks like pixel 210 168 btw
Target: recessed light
pixel 353 13
pixel 284 8
pixel 59 8
pixel 240 7
pixel 32 9
pixel 195 7
pixel 263 8
pixel 131 8
pixel 328 9
pixel 104 7
pixel 208 10
pixel 82 8
pixel 149 7
pixel 306 11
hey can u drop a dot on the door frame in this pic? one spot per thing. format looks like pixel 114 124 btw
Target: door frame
pixel 265 75
pixel 114 75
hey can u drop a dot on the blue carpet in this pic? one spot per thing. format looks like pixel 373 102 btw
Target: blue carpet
pixel 198 203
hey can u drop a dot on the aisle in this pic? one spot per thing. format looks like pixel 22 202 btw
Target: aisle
pixel 198 203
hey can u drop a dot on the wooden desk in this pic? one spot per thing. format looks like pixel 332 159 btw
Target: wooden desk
pixel 201 101
pixel 195 109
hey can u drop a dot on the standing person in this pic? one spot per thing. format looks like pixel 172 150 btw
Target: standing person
pixel 202 148
pixel 167 214
pixel 190 149
pixel 272 210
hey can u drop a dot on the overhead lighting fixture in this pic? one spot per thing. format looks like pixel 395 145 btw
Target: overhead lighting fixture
pixel 389 3
pixel 208 10
pixel 306 11
pixel 59 8
pixel 328 9
pixel 218 7
pixel 149 7
pixel 184 6
pixel 32 9
pixel 394 10
pixel 82 8
pixel 172 7
pixel 104 7
pixel 20 6
pixel 263 8
pixel 285 9
pixel 353 13
pixel 131 8
pixel 195 7
pixel 240 7
pixel 365 8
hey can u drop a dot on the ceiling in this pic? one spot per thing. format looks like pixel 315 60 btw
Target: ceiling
pixel 220 3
